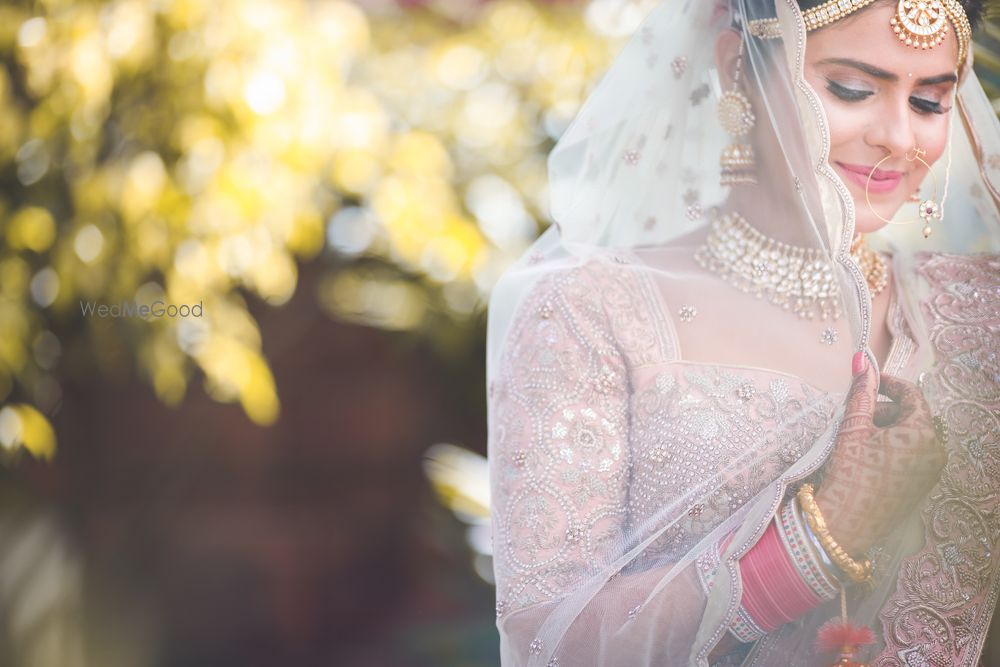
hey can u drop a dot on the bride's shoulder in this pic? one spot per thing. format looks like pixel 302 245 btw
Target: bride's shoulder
pixel 582 282
pixel 956 273
pixel 680 249
pixel 989 261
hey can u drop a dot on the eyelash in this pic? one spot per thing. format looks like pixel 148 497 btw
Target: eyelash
pixel 852 95
pixel 927 106
pixel 847 94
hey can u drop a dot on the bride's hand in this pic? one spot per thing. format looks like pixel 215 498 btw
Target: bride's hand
pixel 886 459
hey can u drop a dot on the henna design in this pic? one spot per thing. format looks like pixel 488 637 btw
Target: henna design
pixel 886 460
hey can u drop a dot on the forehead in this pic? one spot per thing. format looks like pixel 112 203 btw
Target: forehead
pixel 868 36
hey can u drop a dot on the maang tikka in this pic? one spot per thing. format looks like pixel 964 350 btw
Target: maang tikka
pixel 737 118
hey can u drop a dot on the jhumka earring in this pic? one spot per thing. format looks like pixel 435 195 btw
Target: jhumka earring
pixel 737 118
pixel 929 209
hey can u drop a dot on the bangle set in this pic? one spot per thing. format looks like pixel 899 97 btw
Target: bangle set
pixel 810 560
pixel 795 566
pixel 859 571
pixel 817 548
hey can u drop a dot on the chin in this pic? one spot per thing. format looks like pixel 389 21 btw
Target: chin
pixel 865 222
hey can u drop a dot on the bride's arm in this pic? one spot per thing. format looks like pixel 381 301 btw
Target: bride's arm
pixel 560 465
pixel 884 462
pixel 559 455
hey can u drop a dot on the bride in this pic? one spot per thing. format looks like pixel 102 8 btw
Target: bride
pixel 744 394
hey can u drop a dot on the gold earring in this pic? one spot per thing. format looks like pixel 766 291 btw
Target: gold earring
pixel 928 210
pixel 737 118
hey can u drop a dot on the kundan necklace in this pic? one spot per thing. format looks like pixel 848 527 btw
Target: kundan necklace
pixel 796 278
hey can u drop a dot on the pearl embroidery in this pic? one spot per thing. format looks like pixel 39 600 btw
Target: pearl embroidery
pixel 589 454
pixel 687 313
pixel 679 65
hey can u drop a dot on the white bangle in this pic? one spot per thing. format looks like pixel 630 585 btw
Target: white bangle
pixel 815 541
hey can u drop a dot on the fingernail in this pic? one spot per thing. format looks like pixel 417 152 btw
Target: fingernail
pixel 859 364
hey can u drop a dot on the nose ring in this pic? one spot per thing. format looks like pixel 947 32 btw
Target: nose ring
pixel 928 210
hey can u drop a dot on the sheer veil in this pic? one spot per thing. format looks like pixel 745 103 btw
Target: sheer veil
pixel 646 415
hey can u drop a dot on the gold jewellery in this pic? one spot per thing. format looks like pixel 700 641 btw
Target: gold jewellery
pixel 922 24
pixel 872 265
pixel 737 118
pixel 796 278
pixel 859 571
pixel 929 209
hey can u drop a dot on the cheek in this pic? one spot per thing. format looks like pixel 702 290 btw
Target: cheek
pixel 843 124
pixel 934 138
pixel 847 126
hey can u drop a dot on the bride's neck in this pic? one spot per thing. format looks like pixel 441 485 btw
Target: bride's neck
pixel 775 212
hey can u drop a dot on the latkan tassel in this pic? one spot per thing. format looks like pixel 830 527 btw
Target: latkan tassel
pixel 837 635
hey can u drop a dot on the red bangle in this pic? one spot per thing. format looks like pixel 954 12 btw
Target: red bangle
pixel 774 592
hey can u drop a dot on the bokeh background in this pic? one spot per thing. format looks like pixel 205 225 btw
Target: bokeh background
pixel 289 470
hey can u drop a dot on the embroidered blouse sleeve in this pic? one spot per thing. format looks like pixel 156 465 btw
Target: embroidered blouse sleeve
pixel 558 441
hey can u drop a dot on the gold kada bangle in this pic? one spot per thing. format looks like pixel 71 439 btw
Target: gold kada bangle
pixel 859 571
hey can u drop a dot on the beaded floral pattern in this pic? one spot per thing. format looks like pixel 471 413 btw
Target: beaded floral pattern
pixel 946 593
pixel 560 458
pixel 598 427
pixel 733 429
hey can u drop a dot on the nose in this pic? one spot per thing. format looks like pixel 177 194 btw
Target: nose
pixel 893 129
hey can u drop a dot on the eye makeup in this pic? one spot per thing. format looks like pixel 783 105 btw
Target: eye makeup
pixel 927 106
pixel 847 93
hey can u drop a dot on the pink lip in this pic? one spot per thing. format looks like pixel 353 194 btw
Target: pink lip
pixel 882 181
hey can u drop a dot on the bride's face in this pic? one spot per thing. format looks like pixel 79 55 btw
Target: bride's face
pixel 882 100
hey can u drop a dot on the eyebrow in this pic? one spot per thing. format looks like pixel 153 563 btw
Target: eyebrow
pixel 879 73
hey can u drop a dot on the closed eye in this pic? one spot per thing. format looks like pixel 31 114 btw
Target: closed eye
pixel 847 94
pixel 926 106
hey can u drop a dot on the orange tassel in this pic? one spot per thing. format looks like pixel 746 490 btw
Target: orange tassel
pixel 836 635
pixel 843 636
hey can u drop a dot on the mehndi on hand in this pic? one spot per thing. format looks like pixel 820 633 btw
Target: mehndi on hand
pixel 886 459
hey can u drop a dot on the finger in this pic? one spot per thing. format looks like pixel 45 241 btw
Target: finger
pixel 886 413
pixel 906 394
pixel 862 396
